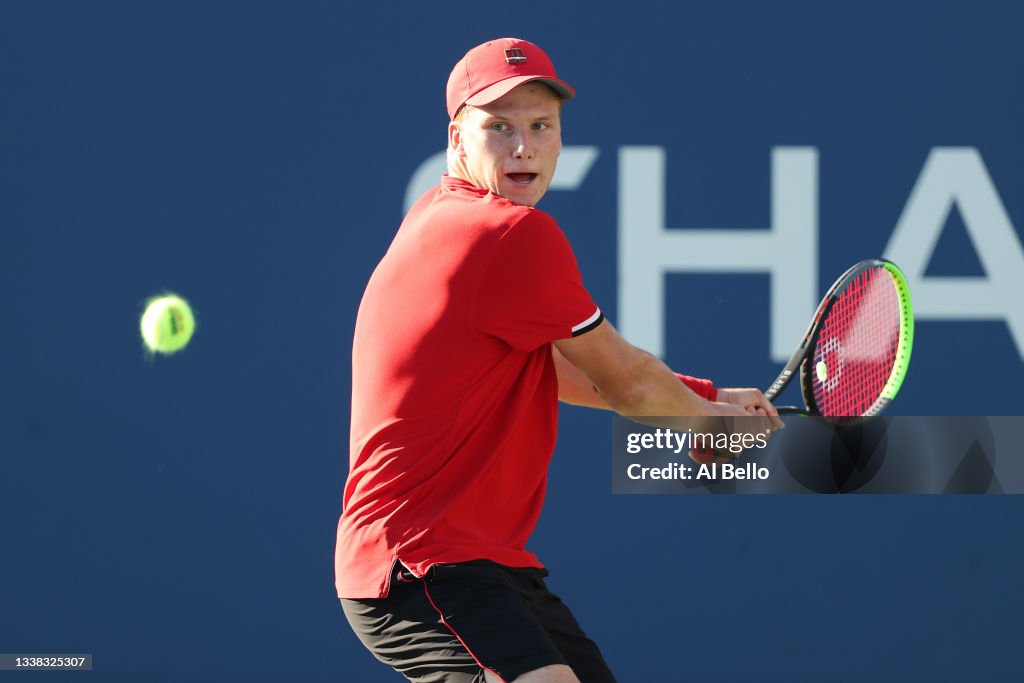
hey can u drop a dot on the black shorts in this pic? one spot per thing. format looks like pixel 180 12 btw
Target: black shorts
pixel 463 618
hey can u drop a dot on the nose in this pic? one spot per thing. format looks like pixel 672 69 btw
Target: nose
pixel 523 149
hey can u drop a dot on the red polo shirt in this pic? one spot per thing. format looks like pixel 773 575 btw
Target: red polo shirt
pixel 454 392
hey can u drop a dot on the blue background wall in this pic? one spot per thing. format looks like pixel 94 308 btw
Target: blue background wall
pixel 176 516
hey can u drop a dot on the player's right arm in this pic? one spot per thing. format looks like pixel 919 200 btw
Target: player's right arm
pixel 625 378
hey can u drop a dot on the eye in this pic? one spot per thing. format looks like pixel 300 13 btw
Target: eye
pixel 541 126
pixel 500 127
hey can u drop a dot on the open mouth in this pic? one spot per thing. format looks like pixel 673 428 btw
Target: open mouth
pixel 521 178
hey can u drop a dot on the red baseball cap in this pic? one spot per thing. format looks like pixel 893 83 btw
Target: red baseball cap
pixel 492 69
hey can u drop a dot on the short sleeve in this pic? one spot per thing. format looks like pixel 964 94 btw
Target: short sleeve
pixel 531 291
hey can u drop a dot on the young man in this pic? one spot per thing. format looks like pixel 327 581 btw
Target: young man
pixel 472 327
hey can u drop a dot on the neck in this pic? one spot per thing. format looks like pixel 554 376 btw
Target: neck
pixel 457 169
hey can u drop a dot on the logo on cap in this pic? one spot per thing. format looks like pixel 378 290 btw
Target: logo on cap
pixel 515 55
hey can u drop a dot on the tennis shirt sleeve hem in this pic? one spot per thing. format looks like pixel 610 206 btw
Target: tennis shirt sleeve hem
pixel 588 324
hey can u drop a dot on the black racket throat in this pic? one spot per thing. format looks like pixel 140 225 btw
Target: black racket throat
pixel 796 364
pixel 799 356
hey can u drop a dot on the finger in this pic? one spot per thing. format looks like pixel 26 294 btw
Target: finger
pixel 769 408
pixel 773 412
pixel 702 456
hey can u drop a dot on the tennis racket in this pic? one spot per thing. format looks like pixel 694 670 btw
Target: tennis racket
pixel 855 353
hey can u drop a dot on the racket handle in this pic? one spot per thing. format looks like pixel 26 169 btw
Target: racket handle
pixel 791 410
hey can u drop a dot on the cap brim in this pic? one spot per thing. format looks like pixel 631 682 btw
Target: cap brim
pixel 502 88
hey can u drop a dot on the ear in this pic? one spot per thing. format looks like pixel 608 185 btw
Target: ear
pixel 455 138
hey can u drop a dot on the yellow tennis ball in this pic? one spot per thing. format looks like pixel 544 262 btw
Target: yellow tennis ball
pixel 822 370
pixel 167 324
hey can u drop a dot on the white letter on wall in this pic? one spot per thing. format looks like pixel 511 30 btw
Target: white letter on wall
pixel 648 249
pixel 958 174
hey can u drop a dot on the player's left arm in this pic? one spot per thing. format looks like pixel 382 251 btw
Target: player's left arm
pixel 573 385
pixel 574 388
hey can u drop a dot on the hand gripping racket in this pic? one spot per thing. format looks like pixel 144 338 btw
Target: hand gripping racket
pixel 855 353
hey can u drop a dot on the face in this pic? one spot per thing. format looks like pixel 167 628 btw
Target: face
pixel 510 147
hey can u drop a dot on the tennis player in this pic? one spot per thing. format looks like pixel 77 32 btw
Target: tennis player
pixel 471 329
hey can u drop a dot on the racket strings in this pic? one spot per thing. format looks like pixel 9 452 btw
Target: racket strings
pixel 857 346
